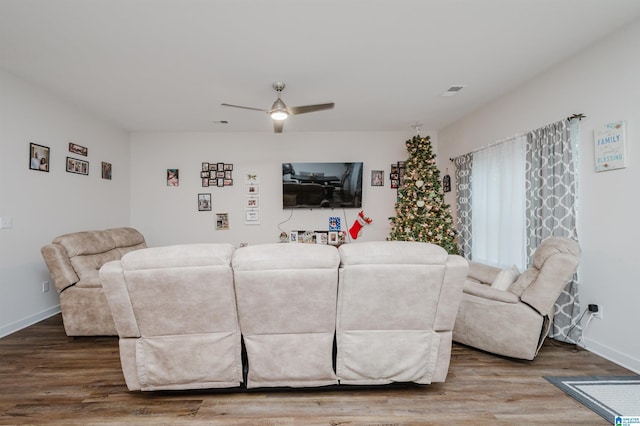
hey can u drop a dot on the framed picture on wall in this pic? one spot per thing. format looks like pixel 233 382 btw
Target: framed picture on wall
pixel 78 149
pixel 377 177
pixel 222 221
pixel 204 202
pixel 106 170
pixel 80 167
pixel 38 157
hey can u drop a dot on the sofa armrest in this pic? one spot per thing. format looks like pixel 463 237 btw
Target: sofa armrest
pixel 487 292
pixel 482 273
pixel 451 293
pixel 60 269
pixel 115 289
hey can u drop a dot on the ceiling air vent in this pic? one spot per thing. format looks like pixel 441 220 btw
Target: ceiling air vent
pixel 453 90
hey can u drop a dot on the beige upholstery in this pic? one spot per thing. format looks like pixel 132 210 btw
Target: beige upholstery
pixel 73 261
pixel 180 312
pixel 175 312
pixel 397 303
pixel 286 297
pixel 515 322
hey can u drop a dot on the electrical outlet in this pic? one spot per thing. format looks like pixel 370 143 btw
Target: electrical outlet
pixel 599 313
pixel 45 286
pixel 595 310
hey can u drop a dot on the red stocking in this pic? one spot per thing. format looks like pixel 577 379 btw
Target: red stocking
pixel 361 220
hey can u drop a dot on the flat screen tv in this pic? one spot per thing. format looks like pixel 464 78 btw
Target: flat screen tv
pixel 321 185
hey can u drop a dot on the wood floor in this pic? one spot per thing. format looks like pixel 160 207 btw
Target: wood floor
pixel 49 378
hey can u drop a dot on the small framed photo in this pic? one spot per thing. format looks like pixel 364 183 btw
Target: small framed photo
pixel 222 221
pixel 228 182
pixel 205 182
pixel 106 170
pixel 213 182
pixel 293 236
pixel 333 237
pixel 204 202
pixel 228 167
pixel 173 177
pixel 204 174
pixel 377 177
pixel 220 182
pixel 322 237
pixel 205 167
pixel 252 189
pixel 77 149
pixel 220 167
pixel 252 217
pixel 38 157
pixel 80 167
pixel 252 202
pixel 220 174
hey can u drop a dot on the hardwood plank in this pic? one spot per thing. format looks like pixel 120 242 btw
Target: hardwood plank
pixel 47 377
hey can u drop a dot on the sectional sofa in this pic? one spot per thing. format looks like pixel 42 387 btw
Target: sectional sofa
pixel 284 315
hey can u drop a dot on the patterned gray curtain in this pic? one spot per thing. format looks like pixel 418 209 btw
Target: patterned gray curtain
pixel 463 165
pixel 551 211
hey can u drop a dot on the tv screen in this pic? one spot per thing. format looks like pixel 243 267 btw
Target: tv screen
pixel 321 185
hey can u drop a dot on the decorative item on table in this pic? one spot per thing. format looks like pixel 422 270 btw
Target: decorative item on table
pixel 334 223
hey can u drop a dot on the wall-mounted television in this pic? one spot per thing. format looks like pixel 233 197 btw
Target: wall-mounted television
pixel 321 185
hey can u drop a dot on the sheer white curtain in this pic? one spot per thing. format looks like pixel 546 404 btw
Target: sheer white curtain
pixel 498 187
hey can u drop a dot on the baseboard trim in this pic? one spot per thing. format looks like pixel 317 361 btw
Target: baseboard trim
pixel 612 355
pixel 30 320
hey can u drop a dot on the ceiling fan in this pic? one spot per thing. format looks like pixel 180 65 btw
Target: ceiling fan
pixel 279 110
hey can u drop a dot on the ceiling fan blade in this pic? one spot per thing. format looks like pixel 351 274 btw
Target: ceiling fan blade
pixel 310 108
pixel 277 126
pixel 245 107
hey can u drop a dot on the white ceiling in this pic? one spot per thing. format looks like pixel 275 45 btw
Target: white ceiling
pixel 167 65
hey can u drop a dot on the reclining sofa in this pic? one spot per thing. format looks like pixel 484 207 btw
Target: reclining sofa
pixel 515 321
pixel 73 261
pixel 306 315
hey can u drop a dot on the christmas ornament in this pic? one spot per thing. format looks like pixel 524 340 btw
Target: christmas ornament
pixel 420 203
pixel 361 220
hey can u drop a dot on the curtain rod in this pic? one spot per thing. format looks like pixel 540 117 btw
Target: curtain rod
pixel 571 117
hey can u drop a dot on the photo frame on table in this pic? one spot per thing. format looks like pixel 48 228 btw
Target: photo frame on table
pixel 77 166
pixel 39 157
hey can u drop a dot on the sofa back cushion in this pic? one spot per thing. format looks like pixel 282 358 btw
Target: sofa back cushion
pixel 286 295
pixel 181 289
pixel 76 258
pixel 397 302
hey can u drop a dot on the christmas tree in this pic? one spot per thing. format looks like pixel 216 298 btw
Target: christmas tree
pixel 421 214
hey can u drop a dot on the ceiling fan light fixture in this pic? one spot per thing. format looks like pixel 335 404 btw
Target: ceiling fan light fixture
pixel 279 114
pixel 279 110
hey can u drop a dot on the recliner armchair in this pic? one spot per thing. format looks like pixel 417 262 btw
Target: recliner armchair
pixel 514 322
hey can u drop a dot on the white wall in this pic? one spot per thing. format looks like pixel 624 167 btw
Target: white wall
pixel 601 82
pixel 43 205
pixel 169 215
